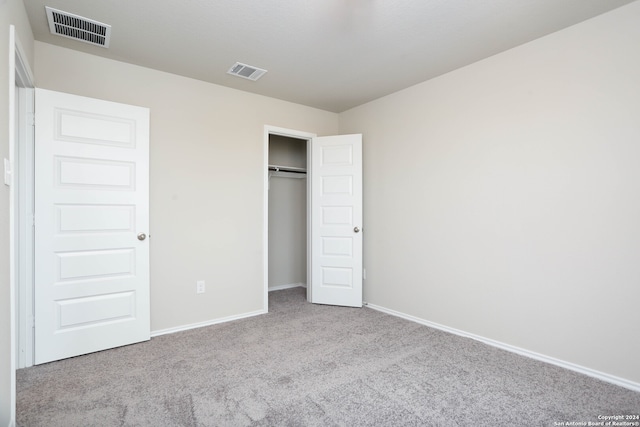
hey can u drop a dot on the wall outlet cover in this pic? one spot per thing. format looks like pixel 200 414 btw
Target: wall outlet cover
pixel 200 287
pixel 7 172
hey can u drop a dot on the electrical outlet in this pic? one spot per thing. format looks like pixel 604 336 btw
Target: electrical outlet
pixel 200 287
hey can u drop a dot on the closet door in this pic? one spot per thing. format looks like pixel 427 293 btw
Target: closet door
pixel 336 220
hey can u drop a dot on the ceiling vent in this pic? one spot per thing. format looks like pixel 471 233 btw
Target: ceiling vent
pixel 246 71
pixel 78 28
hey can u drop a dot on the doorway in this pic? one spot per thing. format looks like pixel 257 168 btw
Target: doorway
pixel 287 215
pixel 104 225
pixel 287 212
pixel 333 184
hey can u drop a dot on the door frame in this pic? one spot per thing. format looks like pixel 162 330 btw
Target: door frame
pixel 305 136
pixel 25 209
pixel 20 201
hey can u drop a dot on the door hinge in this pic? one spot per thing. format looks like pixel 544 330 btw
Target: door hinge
pixel 31 119
pixel 32 321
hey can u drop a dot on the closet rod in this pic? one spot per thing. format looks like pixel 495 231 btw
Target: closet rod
pixel 287 169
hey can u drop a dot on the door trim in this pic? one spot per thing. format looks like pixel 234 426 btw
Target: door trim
pixel 25 176
pixel 308 136
pixel 20 76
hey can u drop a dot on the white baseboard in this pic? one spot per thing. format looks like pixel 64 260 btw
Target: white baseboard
pixel 289 286
pixel 631 385
pixel 206 323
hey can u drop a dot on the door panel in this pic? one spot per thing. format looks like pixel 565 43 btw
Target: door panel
pixel 91 186
pixel 336 217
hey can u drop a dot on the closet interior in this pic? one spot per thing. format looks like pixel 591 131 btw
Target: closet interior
pixel 287 257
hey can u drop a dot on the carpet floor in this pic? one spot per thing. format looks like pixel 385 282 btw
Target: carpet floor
pixel 312 365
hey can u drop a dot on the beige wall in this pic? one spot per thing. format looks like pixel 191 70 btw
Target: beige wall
pixel 11 13
pixel 206 196
pixel 503 199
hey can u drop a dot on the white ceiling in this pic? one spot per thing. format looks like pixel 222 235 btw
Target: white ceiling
pixel 329 54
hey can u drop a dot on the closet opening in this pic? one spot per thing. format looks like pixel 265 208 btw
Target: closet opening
pixel 287 210
pixel 312 221
pixel 287 249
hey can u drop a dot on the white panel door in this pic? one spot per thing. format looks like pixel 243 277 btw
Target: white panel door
pixel 91 204
pixel 336 220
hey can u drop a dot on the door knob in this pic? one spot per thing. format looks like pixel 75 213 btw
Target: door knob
pixel 356 230
pixel 142 236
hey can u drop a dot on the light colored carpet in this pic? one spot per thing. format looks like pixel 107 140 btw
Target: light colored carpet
pixel 311 365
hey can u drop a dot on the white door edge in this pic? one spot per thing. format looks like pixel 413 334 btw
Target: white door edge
pixel 25 315
pixel 308 136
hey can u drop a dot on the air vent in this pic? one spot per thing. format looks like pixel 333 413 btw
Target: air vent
pixel 246 71
pixel 78 28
